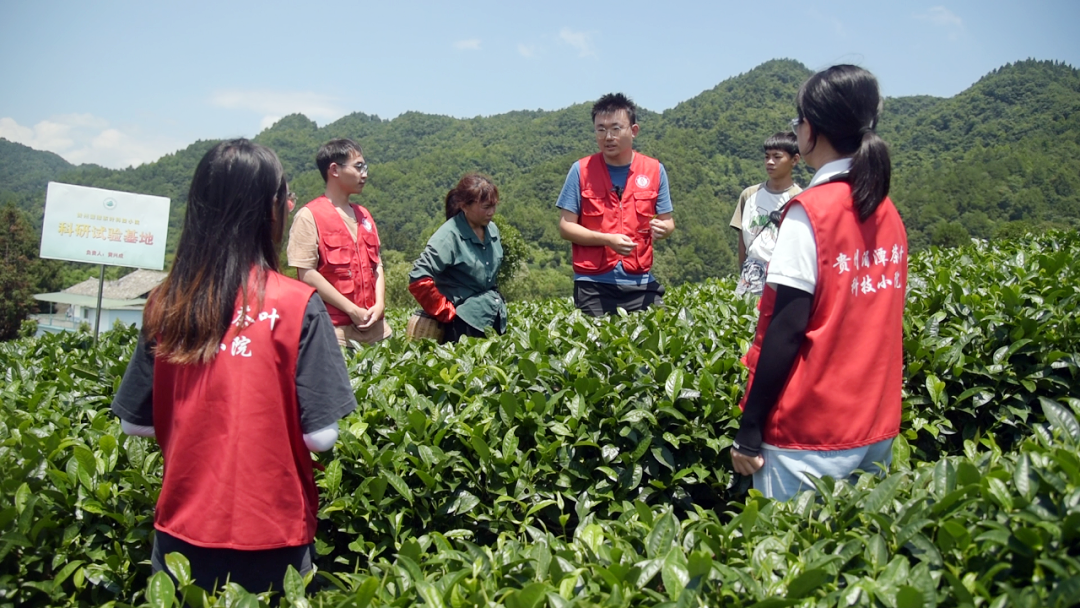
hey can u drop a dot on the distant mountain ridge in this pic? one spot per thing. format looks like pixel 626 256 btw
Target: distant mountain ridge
pixel 1003 151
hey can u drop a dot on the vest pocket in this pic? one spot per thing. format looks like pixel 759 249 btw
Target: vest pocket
pixel 337 269
pixel 645 204
pixel 593 205
pixel 370 243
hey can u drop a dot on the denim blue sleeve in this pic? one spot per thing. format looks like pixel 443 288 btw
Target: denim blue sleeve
pixel 663 199
pixel 570 197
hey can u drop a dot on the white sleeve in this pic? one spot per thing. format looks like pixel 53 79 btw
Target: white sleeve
pixel 794 261
pixel 137 430
pixel 322 439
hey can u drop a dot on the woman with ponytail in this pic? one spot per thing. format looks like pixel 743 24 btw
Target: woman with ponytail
pixel 238 375
pixel 823 395
pixel 454 278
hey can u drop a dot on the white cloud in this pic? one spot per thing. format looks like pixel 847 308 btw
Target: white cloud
pixel 272 105
pixel 526 50
pixel 825 22
pixel 582 41
pixel 84 138
pixel 941 17
pixel 472 44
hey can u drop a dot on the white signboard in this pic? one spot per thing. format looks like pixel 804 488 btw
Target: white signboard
pixel 104 227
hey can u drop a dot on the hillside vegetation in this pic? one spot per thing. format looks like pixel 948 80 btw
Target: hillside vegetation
pixel 1001 157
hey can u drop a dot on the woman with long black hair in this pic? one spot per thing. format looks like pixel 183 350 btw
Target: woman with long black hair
pixel 238 375
pixel 823 396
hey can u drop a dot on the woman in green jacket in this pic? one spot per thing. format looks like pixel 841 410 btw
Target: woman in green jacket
pixel 454 278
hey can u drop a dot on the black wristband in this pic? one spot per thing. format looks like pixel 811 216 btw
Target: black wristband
pixel 746 451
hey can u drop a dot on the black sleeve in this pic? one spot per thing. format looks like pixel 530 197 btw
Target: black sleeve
pixel 322 382
pixel 134 401
pixel 779 348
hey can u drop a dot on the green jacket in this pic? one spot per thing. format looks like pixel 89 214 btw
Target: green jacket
pixel 464 270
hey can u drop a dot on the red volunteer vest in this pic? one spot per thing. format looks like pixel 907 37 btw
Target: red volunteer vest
pixel 347 264
pixel 237 474
pixel 603 211
pixel 844 387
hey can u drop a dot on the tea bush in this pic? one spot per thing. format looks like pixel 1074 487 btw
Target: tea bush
pixel 580 461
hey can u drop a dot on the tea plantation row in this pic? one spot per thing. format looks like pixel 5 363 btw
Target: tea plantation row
pixel 581 462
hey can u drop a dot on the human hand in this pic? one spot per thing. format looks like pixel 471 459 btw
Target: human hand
pixel 359 316
pixel 621 243
pixel 746 465
pixel 659 229
pixel 374 314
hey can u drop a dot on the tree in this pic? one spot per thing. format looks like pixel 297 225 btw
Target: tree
pixel 18 260
pixel 950 234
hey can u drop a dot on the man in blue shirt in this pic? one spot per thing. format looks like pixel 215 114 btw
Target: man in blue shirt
pixel 612 207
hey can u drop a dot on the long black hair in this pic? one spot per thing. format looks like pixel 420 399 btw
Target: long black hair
pixel 843 105
pixel 234 223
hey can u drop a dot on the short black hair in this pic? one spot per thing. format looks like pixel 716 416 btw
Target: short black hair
pixel 785 141
pixel 335 151
pixel 613 102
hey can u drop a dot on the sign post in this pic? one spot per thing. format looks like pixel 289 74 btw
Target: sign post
pixel 105 227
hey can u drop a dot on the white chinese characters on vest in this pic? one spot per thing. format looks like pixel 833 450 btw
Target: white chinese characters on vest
pixel 873 270
pixel 239 346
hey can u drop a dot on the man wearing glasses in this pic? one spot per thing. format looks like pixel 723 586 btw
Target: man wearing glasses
pixel 612 207
pixel 334 246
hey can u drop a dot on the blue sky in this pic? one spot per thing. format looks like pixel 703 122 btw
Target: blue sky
pixel 120 82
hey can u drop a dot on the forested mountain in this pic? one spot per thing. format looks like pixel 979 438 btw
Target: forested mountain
pixel 1001 155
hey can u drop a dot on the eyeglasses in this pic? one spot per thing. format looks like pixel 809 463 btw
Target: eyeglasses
pixel 360 167
pixel 795 122
pixel 613 131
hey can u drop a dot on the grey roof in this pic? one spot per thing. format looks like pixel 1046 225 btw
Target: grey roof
pixel 131 287
pixel 74 299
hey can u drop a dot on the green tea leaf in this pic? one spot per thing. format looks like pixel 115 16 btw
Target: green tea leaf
pixel 365 592
pixel 293 585
pixel 674 573
pixel 593 537
pixel 430 594
pixel 179 567
pixel 909 597
pixel 808 582
pixel 882 494
pixel 22 496
pixel 1061 419
pixel 674 385
pixel 1000 492
pixel 160 591
pixel 529 596
pixel 936 388
pixel 399 485
pixel 662 536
